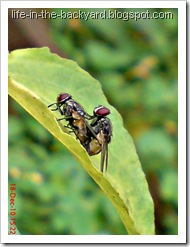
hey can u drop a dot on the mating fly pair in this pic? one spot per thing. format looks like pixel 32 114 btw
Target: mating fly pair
pixel 93 136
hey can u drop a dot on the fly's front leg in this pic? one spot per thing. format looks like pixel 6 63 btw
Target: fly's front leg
pixel 64 118
pixel 59 109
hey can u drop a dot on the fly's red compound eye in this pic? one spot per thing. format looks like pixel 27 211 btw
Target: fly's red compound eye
pixel 63 97
pixel 101 111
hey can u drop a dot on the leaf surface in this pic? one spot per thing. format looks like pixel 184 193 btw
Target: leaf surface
pixel 36 77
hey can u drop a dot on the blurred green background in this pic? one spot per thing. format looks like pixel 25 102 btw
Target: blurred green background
pixel 136 63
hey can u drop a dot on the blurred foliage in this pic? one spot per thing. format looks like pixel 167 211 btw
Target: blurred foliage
pixel 136 62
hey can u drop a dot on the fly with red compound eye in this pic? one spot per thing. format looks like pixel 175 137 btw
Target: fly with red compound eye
pixel 103 129
pixel 75 115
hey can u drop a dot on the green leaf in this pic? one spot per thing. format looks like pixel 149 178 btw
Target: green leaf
pixel 36 77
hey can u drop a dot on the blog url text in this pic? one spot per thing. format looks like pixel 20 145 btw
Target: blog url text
pixel 86 15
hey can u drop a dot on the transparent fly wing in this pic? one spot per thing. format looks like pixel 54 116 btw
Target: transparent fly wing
pixel 104 156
